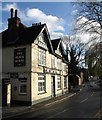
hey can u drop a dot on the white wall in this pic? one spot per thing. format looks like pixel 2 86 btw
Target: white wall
pixel 8 59
pixel 24 71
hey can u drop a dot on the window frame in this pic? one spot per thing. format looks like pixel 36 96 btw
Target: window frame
pixel 59 67
pixel 22 83
pixel 58 82
pixel 42 82
pixel 66 68
pixel 41 56
pixel 53 61
pixel 65 82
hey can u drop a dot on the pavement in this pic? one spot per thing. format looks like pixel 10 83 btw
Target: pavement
pixel 11 111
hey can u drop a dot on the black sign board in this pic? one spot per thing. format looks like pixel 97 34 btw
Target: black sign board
pixel 19 57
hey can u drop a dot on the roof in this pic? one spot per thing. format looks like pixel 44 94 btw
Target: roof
pixel 55 43
pixel 21 35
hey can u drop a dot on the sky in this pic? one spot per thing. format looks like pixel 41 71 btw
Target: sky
pixel 57 15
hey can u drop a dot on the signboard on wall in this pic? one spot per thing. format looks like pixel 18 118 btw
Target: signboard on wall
pixel 19 57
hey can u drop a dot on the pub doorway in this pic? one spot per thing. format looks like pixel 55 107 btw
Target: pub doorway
pixel 6 92
pixel 53 86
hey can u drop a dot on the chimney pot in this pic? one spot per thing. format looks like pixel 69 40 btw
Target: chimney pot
pixel 16 13
pixel 11 12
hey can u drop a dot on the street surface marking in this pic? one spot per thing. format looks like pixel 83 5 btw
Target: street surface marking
pixel 84 100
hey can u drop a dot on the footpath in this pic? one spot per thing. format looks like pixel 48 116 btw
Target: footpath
pixel 11 111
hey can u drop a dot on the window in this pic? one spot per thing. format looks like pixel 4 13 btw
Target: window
pixel 53 61
pixel 23 87
pixel 58 82
pixel 59 65
pixel 42 57
pixel 41 84
pixel 66 68
pixel 40 38
pixel 65 82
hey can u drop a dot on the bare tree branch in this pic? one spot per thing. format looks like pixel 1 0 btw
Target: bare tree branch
pixel 89 18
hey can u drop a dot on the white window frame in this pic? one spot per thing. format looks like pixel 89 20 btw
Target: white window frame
pixel 66 67
pixel 53 62
pixel 58 82
pixel 42 56
pixel 59 65
pixel 21 84
pixel 41 80
pixel 65 82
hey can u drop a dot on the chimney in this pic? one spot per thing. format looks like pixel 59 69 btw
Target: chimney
pixel 11 12
pixel 16 13
pixel 14 21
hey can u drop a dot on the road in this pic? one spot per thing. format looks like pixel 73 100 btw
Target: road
pixel 85 104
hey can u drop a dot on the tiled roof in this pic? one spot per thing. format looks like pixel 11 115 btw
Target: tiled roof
pixel 21 35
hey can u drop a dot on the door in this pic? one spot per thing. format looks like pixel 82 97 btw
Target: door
pixel 53 86
pixel 6 93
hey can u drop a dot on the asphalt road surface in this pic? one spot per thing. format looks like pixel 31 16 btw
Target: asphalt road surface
pixel 85 104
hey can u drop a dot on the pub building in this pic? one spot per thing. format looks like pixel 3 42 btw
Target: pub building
pixel 33 68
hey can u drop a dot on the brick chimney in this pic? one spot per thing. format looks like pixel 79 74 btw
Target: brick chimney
pixel 14 21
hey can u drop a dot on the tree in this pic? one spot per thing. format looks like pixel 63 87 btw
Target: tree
pixel 94 60
pixel 75 57
pixel 89 19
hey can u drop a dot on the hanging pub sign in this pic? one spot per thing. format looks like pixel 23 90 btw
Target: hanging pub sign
pixel 19 57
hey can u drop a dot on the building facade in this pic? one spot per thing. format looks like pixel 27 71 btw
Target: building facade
pixel 33 70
